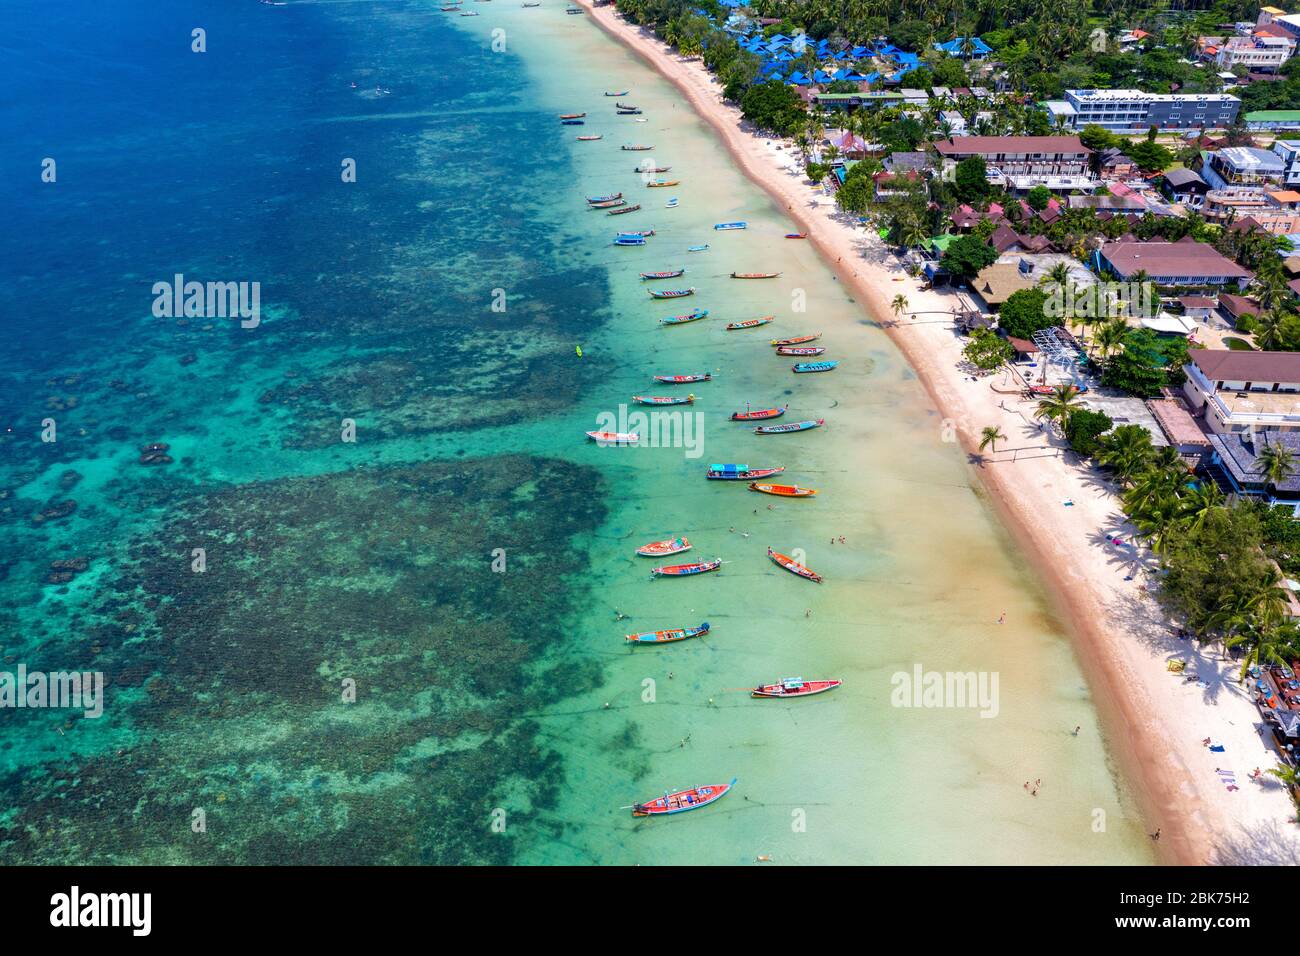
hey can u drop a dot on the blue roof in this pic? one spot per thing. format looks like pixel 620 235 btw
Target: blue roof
pixel 798 79
pixel 953 47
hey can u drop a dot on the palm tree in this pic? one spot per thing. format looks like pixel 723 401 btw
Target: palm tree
pixel 1127 452
pixel 1277 463
pixel 1059 405
pixel 899 305
pixel 1110 336
pixel 1266 642
pixel 1197 503
pixel 990 437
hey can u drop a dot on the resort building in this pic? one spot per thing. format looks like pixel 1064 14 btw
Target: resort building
pixel 1134 110
pixel 1023 162
pixel 1184 186
pixel 1244 391
pixel 1288 150
pixel 1243 166
pixel 1276 211
pixel 1182 263
pixel 1260 52
pixel 1261 120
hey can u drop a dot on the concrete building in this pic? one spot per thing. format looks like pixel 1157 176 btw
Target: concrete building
pixel 1259 53
pixel 1183 263
pixel 1244 391
pixel 1243 166
pixel 1288 150
pixel 1133 110
pixel 1023 162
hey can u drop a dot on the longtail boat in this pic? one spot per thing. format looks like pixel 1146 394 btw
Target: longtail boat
pixel 664 399
pixel 572 115
pixel 668 637
pixel 740 472
pixel 624 106
pixel 800 350
pixel 795 687
pixel 666 274
pixel 684 379
pixel 686 570
pixel 660 183
pixel 792 427
pixel 626 209
pixel 629 241
pixel 614 438
pixel 573 122
pixel 670 293
pixel 758 414
pixel 588 139
pixel 634 149
pixel 659 549
pixel 783 491
pixel 624 93
pixel 682 319
pixel 813 367
pixel 635 233
pixel 798 339
pixel 749 323
pixel 796 235
pixel 596 199
pixel 754 275
pixel 573 11
pixel 683 800
pixel 793 566
pixel 724 226
pixel 629 112
pixel 652 169
pixel 607 204
pixel 533 3
pixel 703 248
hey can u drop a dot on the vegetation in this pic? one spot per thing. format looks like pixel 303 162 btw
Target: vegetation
pixel 1022 314
pixel 987 350
pixel 1083 430
pixel 967 255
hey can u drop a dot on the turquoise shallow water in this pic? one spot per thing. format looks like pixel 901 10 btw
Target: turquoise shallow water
pixel 498 716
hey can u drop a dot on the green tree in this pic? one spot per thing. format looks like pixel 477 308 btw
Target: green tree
pixel 1023 314
pixel 971 179
pixel 1127 451
pixel 967 255
pixel 1276 462
pixel 987 351
pixel 1083 430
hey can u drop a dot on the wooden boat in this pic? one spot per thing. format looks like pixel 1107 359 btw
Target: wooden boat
pixel 798 339
pixel 589 139
pixel 683 800
pixel 813 367
pixel 614 438
pixel 663 399
pixel 683 319
pixel 596 199
pixel 661 183
pixel 624 93
pixel 573 122
pixel 794 687
pixel 754 275
pixel 666 274
pixel 668 637
pixel 572 115
pixel 626 209
pixel 724 226
pixel 792 427
pixel 624 106
pixel 740 472
pixel 659 549
pixel 686 570
pixel 793 566
pixel 637 233
pixel 652 169
pixel 671 293
pixel 629 112
pixel 703 248
pixel 800 350
pixel 607 204
pixel 749 323
pixel 758 414
pixel 634 149
pixel 796 235
pixel 684 379
pixel 628 241
pixel 783 491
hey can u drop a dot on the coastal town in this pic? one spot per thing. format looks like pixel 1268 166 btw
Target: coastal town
pixel 1085 236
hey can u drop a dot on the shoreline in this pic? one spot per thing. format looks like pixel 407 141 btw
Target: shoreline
pixel 1153 721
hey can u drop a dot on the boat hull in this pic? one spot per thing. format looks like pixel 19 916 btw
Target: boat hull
pixel 793 566
pixel 683 800
pixel 808 367
pixel 662 549
pixel 782 491
pixel 748 324
pixel 758 414
pixel 789 429
pixel 687 570
pixel 670 636
pixel 779 690
pixel 726 473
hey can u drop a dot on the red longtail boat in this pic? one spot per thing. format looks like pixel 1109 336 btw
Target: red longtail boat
pixel 798 339
pixel 683 800
pixel 667 274
pixel 758 414
pixel 659 549
pixel 800 350
pixel 783 491
pixel 795 687
pixel 684 379
pixel 685 570
pixel 793 566
pixel 754 275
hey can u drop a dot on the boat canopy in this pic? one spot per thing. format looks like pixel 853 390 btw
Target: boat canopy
pixel 729 469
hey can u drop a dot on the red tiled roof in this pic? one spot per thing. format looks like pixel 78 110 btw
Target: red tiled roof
pixel 1238 305
pixel 1228 365
pixel 1173 259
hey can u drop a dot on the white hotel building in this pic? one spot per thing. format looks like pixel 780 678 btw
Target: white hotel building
pixel 1132 111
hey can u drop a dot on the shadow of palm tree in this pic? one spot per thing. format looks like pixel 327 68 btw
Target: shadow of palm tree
pixel 1265 843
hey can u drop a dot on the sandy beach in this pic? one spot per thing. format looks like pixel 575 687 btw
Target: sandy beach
pixel 1156 721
